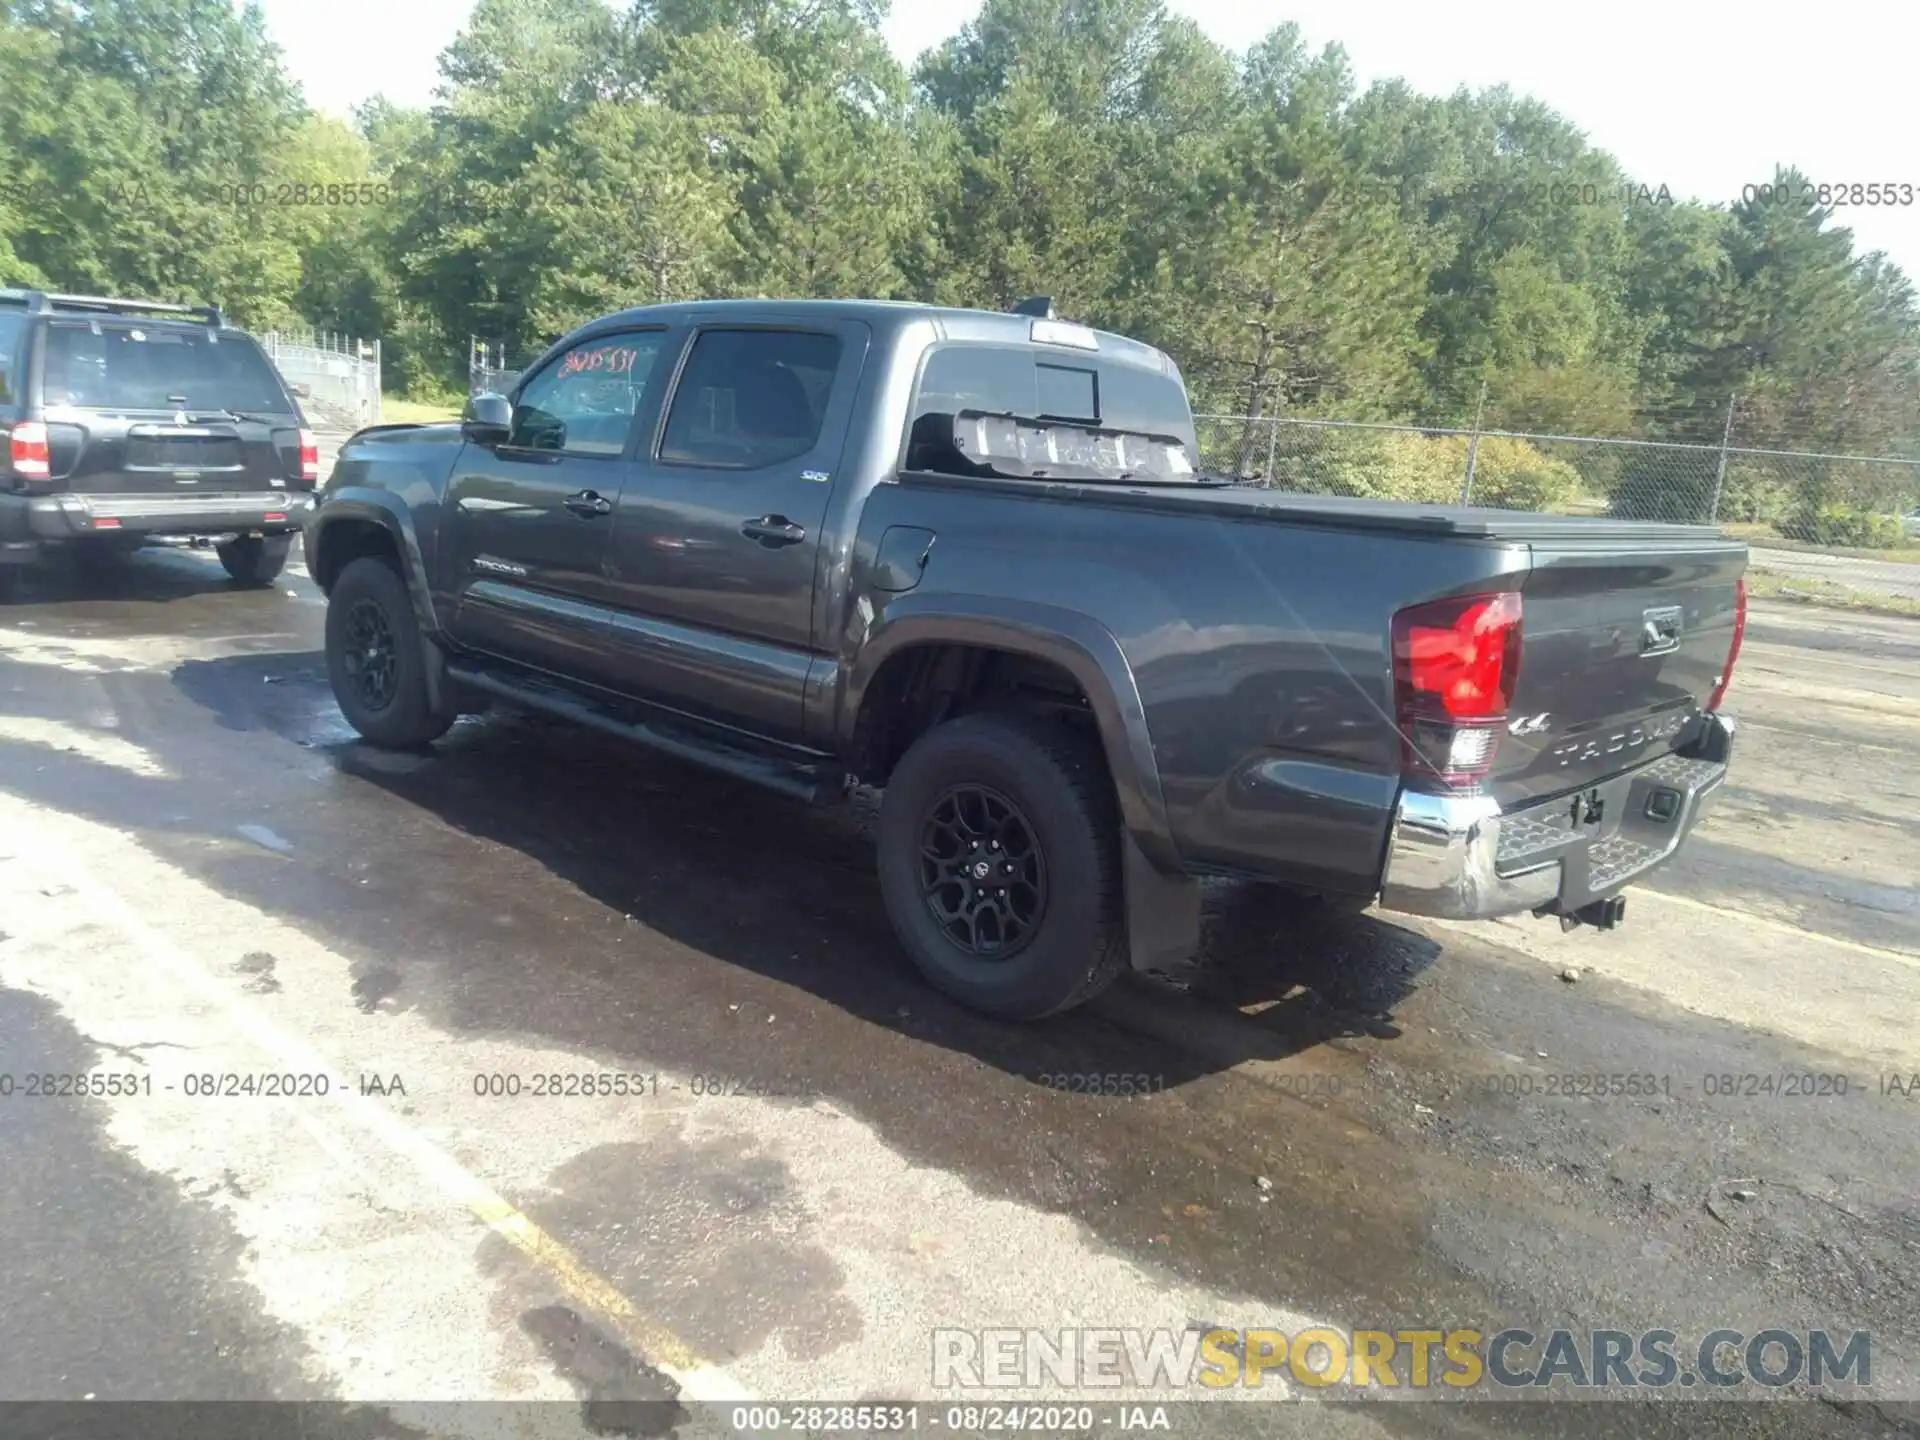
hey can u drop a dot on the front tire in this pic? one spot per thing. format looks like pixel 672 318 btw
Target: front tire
pixel 1039 929
pixel 255 560
pixel 376 658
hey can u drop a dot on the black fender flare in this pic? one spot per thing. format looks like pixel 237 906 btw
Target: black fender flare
pixel 1163 902
pixel 382 508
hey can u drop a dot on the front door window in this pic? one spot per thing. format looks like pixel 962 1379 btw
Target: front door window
pixel 584 402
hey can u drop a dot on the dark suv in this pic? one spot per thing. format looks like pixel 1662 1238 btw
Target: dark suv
pixel 126 422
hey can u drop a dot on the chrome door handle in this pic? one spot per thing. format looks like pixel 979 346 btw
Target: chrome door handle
pixel 774 531
pixel 588 503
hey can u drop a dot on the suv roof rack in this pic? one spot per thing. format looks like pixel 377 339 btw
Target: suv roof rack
pixel 40 301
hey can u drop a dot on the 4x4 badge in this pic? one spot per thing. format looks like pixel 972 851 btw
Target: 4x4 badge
pixel 1529 724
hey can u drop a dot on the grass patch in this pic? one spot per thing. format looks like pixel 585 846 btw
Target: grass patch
pixel 1580 505
pixel 1768 538
pixel 395 411
pixel 1762 584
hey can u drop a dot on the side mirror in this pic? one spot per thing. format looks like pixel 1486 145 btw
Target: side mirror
pixel 487 418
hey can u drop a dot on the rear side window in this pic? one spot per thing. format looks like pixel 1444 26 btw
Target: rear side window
pixel 11 326
pixel 751 398
pixel 119 366
pixel 1038 384
pixel 998 379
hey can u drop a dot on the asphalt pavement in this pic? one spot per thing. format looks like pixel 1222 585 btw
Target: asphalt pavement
pixel 539 1070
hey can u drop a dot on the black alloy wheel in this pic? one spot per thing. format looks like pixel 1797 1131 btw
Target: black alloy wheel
pixel 983 876
pixel 377 658
pixel 368 655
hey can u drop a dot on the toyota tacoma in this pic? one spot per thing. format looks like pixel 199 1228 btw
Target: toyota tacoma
pixel 968 559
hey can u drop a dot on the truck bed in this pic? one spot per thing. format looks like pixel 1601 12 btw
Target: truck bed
pixel 1341 512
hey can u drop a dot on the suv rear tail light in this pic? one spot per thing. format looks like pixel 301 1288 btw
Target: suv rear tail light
pixel 309 459
pixel 1733 651
pixel 1455 662
pixel 28 451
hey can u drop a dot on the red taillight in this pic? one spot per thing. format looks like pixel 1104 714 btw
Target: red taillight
pixel 1733 650
pixel 1454 667
pixel 28 451
pixel 309 459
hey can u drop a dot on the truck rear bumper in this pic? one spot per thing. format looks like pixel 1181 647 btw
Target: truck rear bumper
pixel 27 520
pixel 1461 857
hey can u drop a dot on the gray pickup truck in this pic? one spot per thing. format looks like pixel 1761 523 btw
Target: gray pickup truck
pixel 967 558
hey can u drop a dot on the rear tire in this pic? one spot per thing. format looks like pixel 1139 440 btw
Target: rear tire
pixel 1033 802
pixel 376 658
pixel 256 560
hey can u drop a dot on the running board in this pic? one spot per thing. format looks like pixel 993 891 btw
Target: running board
pixel 816 780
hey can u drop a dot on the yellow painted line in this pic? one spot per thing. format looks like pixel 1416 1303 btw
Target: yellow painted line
pixel 658 1345
pixel 1782 927
pixel 698 1378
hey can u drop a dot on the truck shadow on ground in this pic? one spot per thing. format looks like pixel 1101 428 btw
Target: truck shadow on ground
pixel 770 886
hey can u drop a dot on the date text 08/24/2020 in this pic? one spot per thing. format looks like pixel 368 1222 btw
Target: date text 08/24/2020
pixel 606 1084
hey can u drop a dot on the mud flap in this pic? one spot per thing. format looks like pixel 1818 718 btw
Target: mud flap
pixel 434 663
pixel 1163 911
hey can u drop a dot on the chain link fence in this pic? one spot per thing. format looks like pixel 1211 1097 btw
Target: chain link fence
pixel 1850 500
pixel 487 368
pixel 1811 496
pixel 336 375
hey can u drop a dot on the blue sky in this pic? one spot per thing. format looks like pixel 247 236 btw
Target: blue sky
pixel 1701 97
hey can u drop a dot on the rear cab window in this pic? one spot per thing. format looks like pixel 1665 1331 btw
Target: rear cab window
pixel 1069 400
pixel 125 365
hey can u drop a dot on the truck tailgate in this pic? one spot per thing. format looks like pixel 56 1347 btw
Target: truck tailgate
pixel 1623 643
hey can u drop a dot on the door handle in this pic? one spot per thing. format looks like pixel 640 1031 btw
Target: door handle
pixel 773 531
pixel 588 503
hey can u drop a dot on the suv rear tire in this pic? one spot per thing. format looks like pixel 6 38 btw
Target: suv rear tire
pixel 255 560
pixel 376 658
pixel 1031 801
